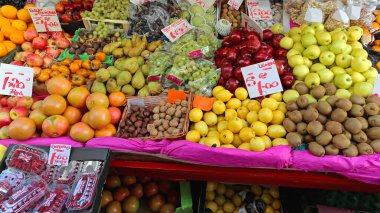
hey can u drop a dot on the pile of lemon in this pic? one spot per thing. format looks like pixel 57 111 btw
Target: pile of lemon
pixel 236 121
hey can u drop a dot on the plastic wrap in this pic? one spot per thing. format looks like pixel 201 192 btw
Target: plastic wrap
pixel 366 18
pixel 82 192
pixel 159 62
pixel 9 178
pixel 27 159
pixel 54 199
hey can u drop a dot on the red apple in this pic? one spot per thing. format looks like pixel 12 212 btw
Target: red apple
pixel 267 34
pixel 47 61
pixel 280 67
pixel 52 52
pixel 12 101
pixel 261 56
pixel 76 1
pixel 34 60
pixel 221 81
pixel 59 7
pixel 62 43
pixel 17 63
pixel 226 71
pixel 232 84
pixel 251 35
pixel 36 105
pixel 88 5
pixel 44 36
pixel 287 80
pixel 236 36
pixel 76 16
pixel 238 74
pixel 242 62
pixel 266 48
pixel 276 40
pixel 56 35
pixel 232 54
pixel 66 2
pixel 39 43
pixel 280 53
pixel 253 45
pixel 5 119
pixel 66 18
pixel 29 35
pixel 226 42
pixel 115 114
pixel 245 53
pixel 69 7
pixel 78 6
pixel 3 101
pixel 17 112
pixel 5 109
pixel 25 102
pixel 27 47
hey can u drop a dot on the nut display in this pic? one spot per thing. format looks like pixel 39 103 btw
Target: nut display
pixel 135 124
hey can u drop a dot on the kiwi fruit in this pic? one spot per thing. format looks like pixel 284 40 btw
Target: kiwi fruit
pixel 365 149
pixel 316 149
pixel 364 122
pixel 375 145
pixel 330 88
pixel 360 137
pixel 356 110
pixel 344 104
pixel 314 128
pixel 295 116
pixel 321 118
pixel 331 150
pixel 371 109
pixel 324 107
pixel 357 99
pixel 291 106
pixel 324 138
pixel 334 127
pixel 332 100
pixel 289 125
pixel 373 99
pixel 294 139
pixel 353 125
pixel 308 138
pixel 374 120
pixel 347 134
pixel 301 128
pixel 301 88
pixel 303 112
pixel 351 151
pixel 318 91
pixel 338 115
pixel 341 141
pixel 373 133
pixel 302 102
pixel 310 114
pixel 312 105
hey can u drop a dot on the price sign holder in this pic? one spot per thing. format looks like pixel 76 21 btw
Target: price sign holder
pixel 16 80
pixel 251 25
pixel 177 29
pixel 45 19
pixel 259 9
pixel 59 154
pixel 376 88
pixel 262 79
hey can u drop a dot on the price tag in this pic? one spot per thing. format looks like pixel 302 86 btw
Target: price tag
pixel 376 89
pixel 251 25
pixel 16 80
pixel 235 3
pixel 59 154
pixel 204 3
pixel 259 9
pixel 177 29
pixel 139 2
pixel 262 79
pixel 45 19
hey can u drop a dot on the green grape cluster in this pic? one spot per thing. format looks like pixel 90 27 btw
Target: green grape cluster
pixel 159 62
pixel 108 9
pixel 102 30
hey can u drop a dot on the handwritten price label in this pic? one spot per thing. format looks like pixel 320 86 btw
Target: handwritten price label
pixel 16 80
pixel 235 3
pixel 204 3
pixel 59 154
pixel 45 19
pixel 376 89
pixel 262 79
pixel 139 2
pixel 251 25
pixel 177 29
pixel 259 9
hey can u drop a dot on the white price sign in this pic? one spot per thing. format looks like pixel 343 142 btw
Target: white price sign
pixel 139 2
pixel 376 89
pixel 204 3
pixel 45 19
pixel 235 3
pixel 177 29
pixel 251 25
pixel 16 80
pixel 59 154
pixel 262 79
pixel 259 9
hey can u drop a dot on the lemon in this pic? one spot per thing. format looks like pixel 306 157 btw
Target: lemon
pixel 252 117
pixel 210 118
pixel 230 114
pixel 193 135
pixel 218 107
pixel 246 134
pixel 278 117
pixel 259 127
pixel 235 125
pixel 222 126
pixel 276 96
pixel 201 127
pixel 212 128
pixel 245 102
pixel 213 133
pixel 220 118
pixel 237 140
pixel 241 93
pixel 276 131
pixel 265 115
pixel 242 112
pixel 245 124
pixel 279 142
pixel 212 142
pixel 233 103
pixel 228 146
pixel 282 107
pixel 254 105
pixel 245 146
pixel 257 144
pixel 217 89
pixel 195 115
pixel 202 141
pixel 267 141
pixel 226 137
pixel 269 103
pixel 223 95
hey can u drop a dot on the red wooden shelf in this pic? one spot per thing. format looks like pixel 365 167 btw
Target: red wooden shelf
pixel 286 178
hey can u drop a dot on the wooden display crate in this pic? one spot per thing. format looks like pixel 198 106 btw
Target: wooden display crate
pixel 90 24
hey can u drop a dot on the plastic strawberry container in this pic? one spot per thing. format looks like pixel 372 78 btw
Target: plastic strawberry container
pixel 82 192
pixel 54 199
pixel 9 179
pixel 27 159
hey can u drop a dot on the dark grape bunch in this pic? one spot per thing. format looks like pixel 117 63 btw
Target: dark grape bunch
pixel 19 4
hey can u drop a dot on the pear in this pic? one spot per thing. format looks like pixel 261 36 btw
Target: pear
pixel 143 92
pixel 138 80
pixel 102 75
pixel 123 78
pixel 140 60
pixel 145 69
pixel 98 87
pixel 128 90
pixel 112 86
pixel 113 71
pixel 118 53
pixel 155 87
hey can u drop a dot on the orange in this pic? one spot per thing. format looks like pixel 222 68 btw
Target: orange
pixel 17 37
pixel 7 31
pixel 4 22
pixel 375 25
pixel 378 19
pixel 3 50
pixel 24 15
pixel 366 31
pixel 376 48
pixel 1 37
pixel 8 11
pixel 377 42
pixel 378 64
pixel 117 99
pixel 9 45
pixel 20 25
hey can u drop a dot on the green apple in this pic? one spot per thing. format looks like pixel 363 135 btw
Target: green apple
pixel 294 31
pixel 296 37
pixel 312 52
pixel 307 62
pixel 317 66
pixel 325 75
pixel 292 52
pixel 300 71
pixel 318 26
pixel 339 36
pixel 354 33
pixel 351 90
pixel 327 58
pixel 360 64
pixel 286 43
pixel 278 29
pixel 343 93
pixel 323 38
pixel 363 89
pixel 356 28
pixel 298 46
pixel 371 80
pixel 324 98
pixel 370 73
pixel 310 98
pixel 357 52
pixel 356 45
pixel 303 26
pixel 357 77
pixel 349 71
pixel 337 47
pixel 337 70
pixel 369 63
pixel 295 60
pixel 324 48
pixel 312 79
pixel 343 81
pixel 308 39
pixel 348 49
pixel 290 95
pixel 343 60
pixel 308 30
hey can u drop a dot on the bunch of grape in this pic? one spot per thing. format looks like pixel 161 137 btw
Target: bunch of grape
pixel 102 30
pixel 108 9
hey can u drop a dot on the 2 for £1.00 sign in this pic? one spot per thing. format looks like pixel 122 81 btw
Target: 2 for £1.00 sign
pixel 16 80
pixel 262 79
pixel 45 19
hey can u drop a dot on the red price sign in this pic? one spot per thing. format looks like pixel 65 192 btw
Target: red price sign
pixel 376 89
pixel 59 154
pixel 262 79
pixel 235 3
pixel 259 9
pixel 16 80
pixel 45 19
pixel 177 29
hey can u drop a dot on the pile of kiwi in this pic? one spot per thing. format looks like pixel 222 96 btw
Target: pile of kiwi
pixel 332 125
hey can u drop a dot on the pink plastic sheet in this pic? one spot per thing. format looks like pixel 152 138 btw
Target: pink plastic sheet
pixel 43 142
pixel 361 168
